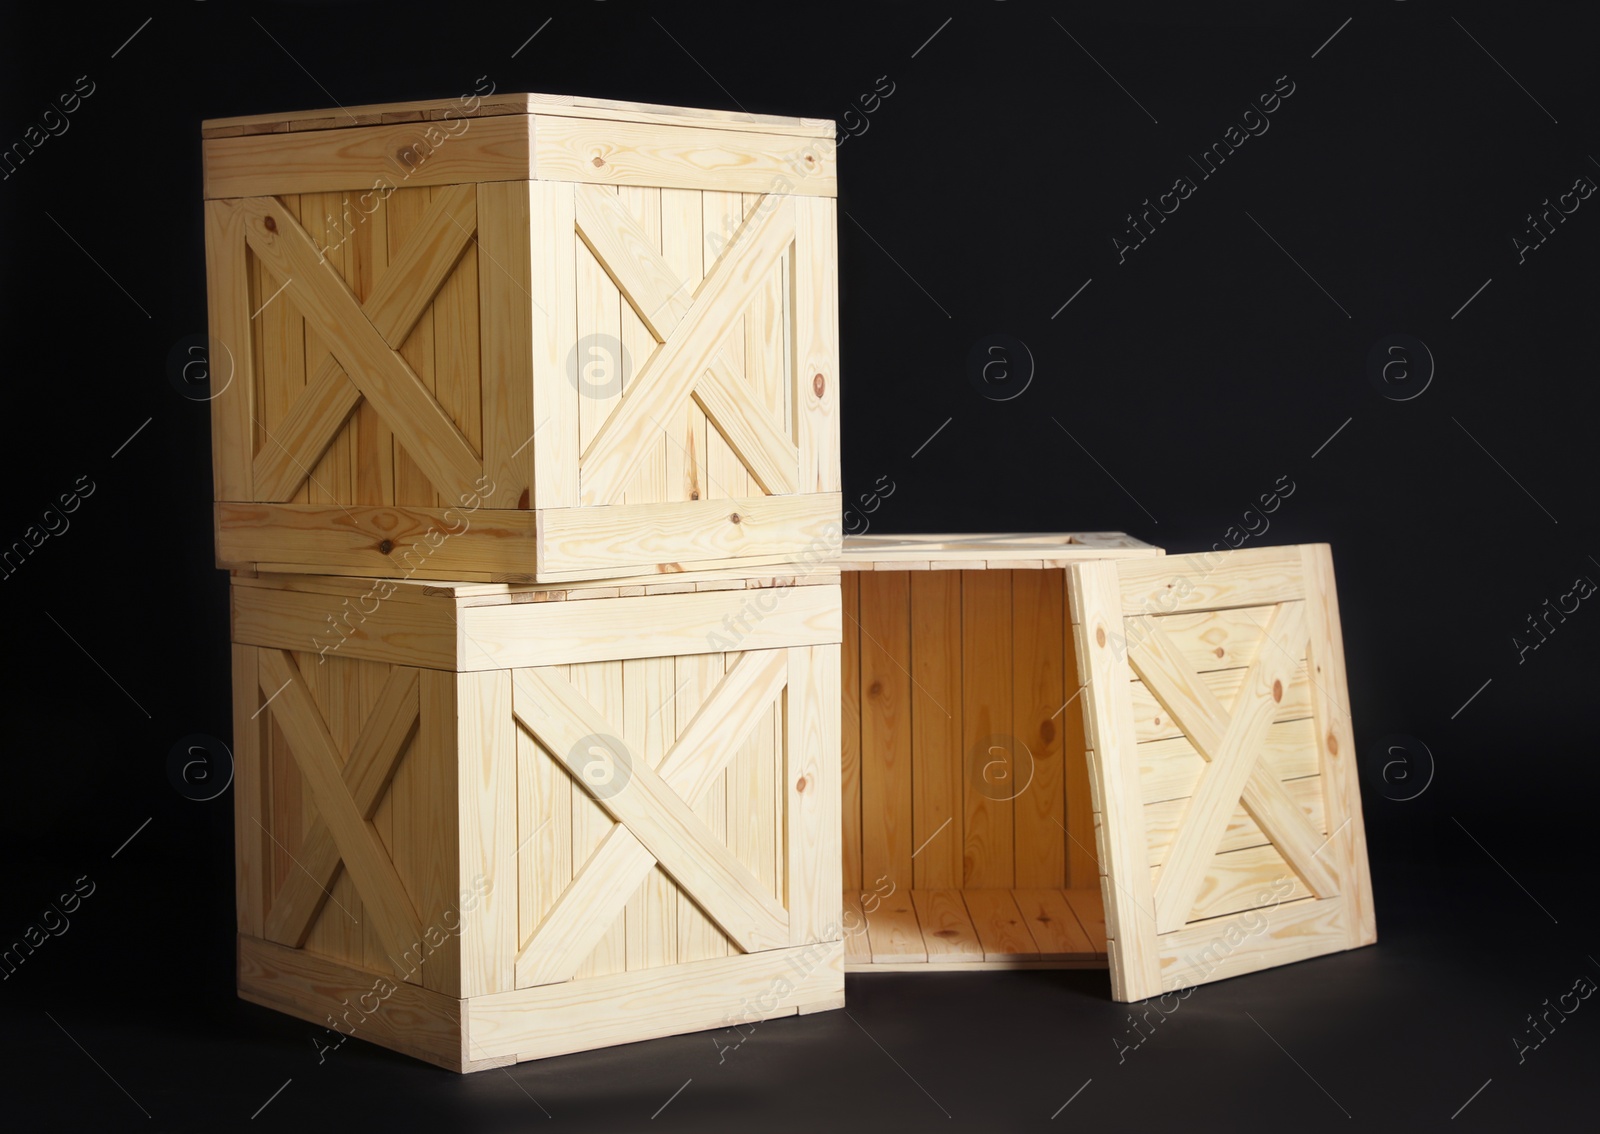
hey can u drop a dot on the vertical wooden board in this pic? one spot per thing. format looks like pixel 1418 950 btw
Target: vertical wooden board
pixel 251 848
pixel 1000 926
pixel 1083 868
pixel 544 832
pixel 314 213
pixel 373 677
pixel 766 363
pixel 751 786
pixel 850 734
pixel 285 807
pixel 337 931
pixel 486 884
pixel 814 292
pixel 649 484
pixel 1098 630
pixel 698 936
pixel 947 931
pixel 228 324
pixel 599 359
pixel 938 809
pixel 281 357
pixel 650 725
pixel 857 948
pixel 885 729
pixel 406 207
pixel 599 683
pixel 508 314
pixel 1039 835
pixel 987 723
pixel 456 362
pixel 427 848
pixel 374 442
pixel 1336 749
pixel 682 245
pixel 811 783
pixel 726 476
pixel 555 338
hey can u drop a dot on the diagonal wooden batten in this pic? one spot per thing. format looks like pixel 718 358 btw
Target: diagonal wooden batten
pixel 359 847
pixel 414 276
pixel 771 457
pixel 735 899
pixel 650 284
pixel 1233 752
pixel 291 451
pixel 667 379
pixel 383 377
pixel 587 909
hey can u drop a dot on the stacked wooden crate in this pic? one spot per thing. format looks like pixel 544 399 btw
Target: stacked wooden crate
pixel 525 417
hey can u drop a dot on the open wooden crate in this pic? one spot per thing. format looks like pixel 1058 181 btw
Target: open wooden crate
pixel 1063 751
pixel 481 823
pixel 522 337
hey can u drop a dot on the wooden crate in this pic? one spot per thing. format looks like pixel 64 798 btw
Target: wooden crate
pixel 483 823
pixel 968 831
pixel 522 338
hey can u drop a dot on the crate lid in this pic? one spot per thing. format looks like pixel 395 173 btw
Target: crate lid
pixel 567 106
pixel 997 551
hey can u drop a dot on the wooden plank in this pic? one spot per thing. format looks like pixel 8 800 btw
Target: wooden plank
pixel 1217 639
pixel 697 675
pixel 850 722
pixel 726 477
pixel 623 247
pixel 664 381
pixel 682 247
pixel 404 630
pixel 650 484
pixel 857 948
pixel 425 542
pixel 990 762
pixel 425 261
pixel 886 737
pixel 770 456
pixel 1049 549
pixel 1163 819
pixel 231 354
pixel 815 336
pixel 300 439
pixel 411 1020
pixel 892 927
pixel 947 932
pixel 1179 583
pixel 1082 868
pixel 811 776
pixel 1156 723
pixel 1232 751
pixel 427 832
pixel 1294 931
pixel 1095 593
pixel 1038 648
pixel 680 157
pixel 544 835
pixel 938 806
pixel 555 1019
pixel 370 158
pixel 1000 926
pixel 1171 769
pixel 1054 925
pixel 554 633
pixel 250 787
pixel 1335 747
pixel 597 365
pixel 766 339
pixel 657 816
pixel 649 728
pixel 599 685
pixel 1091 913
pixel 486 788
pixel 1245 879
pixel 632 539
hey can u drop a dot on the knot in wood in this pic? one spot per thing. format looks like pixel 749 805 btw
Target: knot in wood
pixel 1277 691
pixel 802 783
pixel 270 223
pixel 386 546
pixel 736 518
pixel 598 161
pixel 818 384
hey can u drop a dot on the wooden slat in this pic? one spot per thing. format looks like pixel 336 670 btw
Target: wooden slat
pixel 1163 819
pixel 857 948
pixel 1095 594
pixel 1263 939
pixel 544 835
pixel 1054 924
pixel 683 247
pixel 698 936
pixel 885 660
pixel 1156 723
pixel 407 629
pixel 770 456
pixel 1000 926
pixel 508 313
pixel 811 775
pixel 1039 811
pixel 250 854
pixel 657 816
pixel 414 276
pixel 650 686
pixel 1231 742
pixel 850 727
pixel 659 294
pixel 366 159
pixel 892 927
pixel 1336 747
pixel 599 685
pixel 665 380
pixel 1171 769
pixel 1246 577
pixel 1245 879
pixel 232 351
pixel 1091 912
pixel 947 932
pixel 816 343
pixel 938 805
pixel 1082 868
pixel 486 762
pixel 988 783
pixel 296 444
pixel 688 157
pixel 427 833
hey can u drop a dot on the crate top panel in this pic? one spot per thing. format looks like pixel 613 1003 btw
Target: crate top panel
pixel 516 137
pixel 993 551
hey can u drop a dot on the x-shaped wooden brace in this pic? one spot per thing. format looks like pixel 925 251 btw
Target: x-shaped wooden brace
pixel 654 818
pixel 1231 741
pixel 362 341
pixel 690 329
pixel 346 800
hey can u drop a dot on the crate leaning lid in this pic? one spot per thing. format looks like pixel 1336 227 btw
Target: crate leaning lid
pixel 521 338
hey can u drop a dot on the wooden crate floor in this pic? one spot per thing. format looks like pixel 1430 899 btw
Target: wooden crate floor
pixel 971 929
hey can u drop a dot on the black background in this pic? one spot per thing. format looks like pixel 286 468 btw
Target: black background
pixel 983 193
